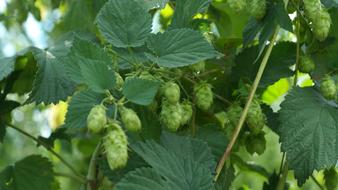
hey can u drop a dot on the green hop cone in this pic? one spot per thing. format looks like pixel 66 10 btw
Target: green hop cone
pixel 255 143
pixel 186 112
pixel 328 88
pixel 119 81
pixel 198 67
pixel 97 119
pixel 130 119
pixel 331 178
pixel 257 8
pixel 171 115
pixel 234 113
pixel 237 5
pixel 147 76
pixel 223 120
pixel 204 96
pixel 306 64
pixel 115 144
pixel 171 92
pixel 256 119
pixel 319 17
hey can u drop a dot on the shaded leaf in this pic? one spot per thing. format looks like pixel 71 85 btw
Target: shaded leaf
pixel 140 91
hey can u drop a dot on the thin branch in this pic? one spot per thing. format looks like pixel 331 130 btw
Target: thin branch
pixel 317 182
pixel 282 178
pixel 47 148
pixel 247 105
pixel 91 176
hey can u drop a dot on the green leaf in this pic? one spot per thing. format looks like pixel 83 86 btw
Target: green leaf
pixel 58 134
pixel 97 75
pixel 140 91
pixel 145 179
pixel 154 4
pixel 124 28
pixel 308 132
pixel 179 47
pixel 2 133
pixel 7 106
pixel 6 66
pixel 33 172
pixel 226 178
pixel 51 83
pixel 184 171
pixel 185 10
pixel 79 108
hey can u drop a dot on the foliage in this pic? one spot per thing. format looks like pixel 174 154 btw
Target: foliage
pixel 170 93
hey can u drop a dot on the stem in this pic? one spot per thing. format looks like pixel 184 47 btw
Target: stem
pixel 91 176
pixel 317 182
pixel 298 49
pixel 59 174
pixel 282 179
pixel 247 105
pixel 49 149
pixel 282 164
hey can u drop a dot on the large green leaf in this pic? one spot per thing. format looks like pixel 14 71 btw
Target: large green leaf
pixel 140 91
pixel 185 10
pixel 124 28
pixel 79 108
pixel 308 132
pixel 145 179
pixel 179 47
pixel 97 75
pixel 152 4
pixel 51 82
pixel 183 171
pixel 6 66
pixel 33 172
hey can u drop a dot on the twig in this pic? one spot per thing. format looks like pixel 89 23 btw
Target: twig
pixel 91 176
pixel 247 105
pixel 47 148
pixel 282 178
pixel 317 182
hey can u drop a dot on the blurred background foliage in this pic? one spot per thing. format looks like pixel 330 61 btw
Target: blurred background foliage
pixel 40 23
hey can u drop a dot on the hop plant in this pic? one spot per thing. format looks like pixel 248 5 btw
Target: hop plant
pixel 171 115
pixel 186 112
pixel 198 67
pixel 306 64
pixel 255 143
pixel 331 178
pixel 115 144
pixel 130 119
pixel 256 119
pixel 234 113
pixel 320 18
pixel 237 5
pixel 223 120
pixel 257 8
pixel 97 119
pixel 328 88
pixel 119 81
pixel 203 95
pixel 171 92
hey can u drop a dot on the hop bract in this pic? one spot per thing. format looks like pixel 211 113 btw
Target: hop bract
pixel 119 81
pixel 115 144
pixel 172 92
pixel 130 119
pixel 306 64
pixel 198 67
pixel 171 115
pixel 328 88
pixel 234 113
pixel 186 112
pixel 204 96
pixel 97 119
pixel 255 143
pixel 256 119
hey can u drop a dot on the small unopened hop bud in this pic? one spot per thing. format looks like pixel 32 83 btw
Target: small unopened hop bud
pixel 204 96
pixel 97 119
pixel 171 115
pixel 306 64
pixel 115 144
pixel 130 119
pixel 328 88
pixel 172 92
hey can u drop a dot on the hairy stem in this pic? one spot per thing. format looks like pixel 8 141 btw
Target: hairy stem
pixel 91 176
pixel 247 105
pixel 49 149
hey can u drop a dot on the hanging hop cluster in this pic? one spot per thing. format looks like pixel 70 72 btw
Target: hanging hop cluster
pixel 97 119
pixel 130 119
pixel 115 144
pixel 257 8
pixel 173 113
pixel 203 95
pixel 306 64
pixel 319 18
pixel 328 88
